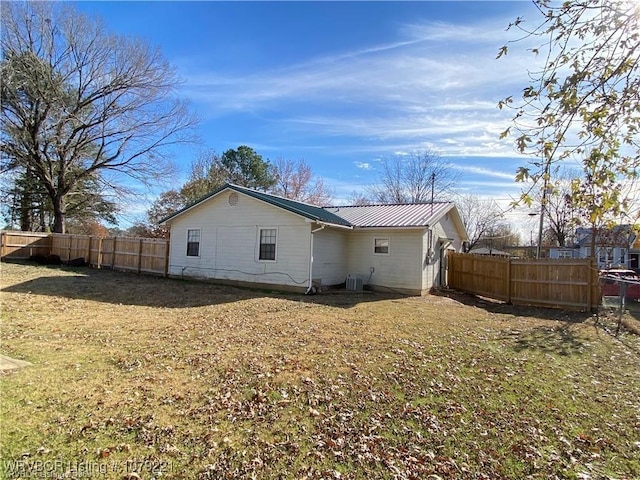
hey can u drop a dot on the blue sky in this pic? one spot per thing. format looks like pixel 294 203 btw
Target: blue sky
pixel 343 85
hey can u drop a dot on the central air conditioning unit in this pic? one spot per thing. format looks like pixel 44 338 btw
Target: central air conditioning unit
pixel 354 283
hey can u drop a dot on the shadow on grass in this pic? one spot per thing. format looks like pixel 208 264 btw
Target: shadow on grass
pixel 498 307
pixel 633 307
pixel 556 341
pixel 122 288
pixel 613 323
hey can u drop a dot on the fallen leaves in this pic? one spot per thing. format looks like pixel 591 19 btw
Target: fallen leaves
pixel 226 383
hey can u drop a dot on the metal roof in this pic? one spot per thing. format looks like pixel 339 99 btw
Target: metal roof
pixel 306 210
pixel 394 215
pixel 359 216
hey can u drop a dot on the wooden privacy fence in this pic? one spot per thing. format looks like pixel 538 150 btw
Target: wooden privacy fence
pixel 21 245
pixel 141 255
pixel 570 284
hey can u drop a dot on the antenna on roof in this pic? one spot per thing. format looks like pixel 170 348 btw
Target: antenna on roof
pixel 433 183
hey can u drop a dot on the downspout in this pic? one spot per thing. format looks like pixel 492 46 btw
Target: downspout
pixel 310 286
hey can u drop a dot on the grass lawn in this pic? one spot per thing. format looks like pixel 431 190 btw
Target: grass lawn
pixel 143 377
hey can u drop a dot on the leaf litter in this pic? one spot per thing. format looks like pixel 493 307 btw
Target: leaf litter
pixel 205 381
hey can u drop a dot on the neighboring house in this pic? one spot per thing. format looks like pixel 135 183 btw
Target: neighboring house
pixel 634 255
pixel 613 247
pixel 489 251
pixel 242 236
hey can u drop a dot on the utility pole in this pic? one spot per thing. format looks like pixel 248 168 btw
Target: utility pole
pixel 543 203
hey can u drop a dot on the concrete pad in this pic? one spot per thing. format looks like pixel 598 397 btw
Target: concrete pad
pixel 8 364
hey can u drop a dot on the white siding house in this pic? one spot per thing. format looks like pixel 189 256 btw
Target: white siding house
pixel 394 264
pixel 330 249
pixel 241 236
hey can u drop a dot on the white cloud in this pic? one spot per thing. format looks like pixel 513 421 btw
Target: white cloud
pixel 401 94
pixel 483 171
pixel 363 165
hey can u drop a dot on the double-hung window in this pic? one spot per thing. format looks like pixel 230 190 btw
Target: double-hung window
pixel 381 246
pixel 268 244
pixel 193 242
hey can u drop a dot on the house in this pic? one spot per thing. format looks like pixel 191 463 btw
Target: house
pixel 613 247
pixel 241 236
pixel 634 255
pixel 489 251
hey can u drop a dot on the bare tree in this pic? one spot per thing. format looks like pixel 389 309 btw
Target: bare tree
pixel 295 180
pixel 414 178
pixel 359 198
pixel 481 217
pixel 77 101
pixel 500 237
pixel 560 215
pixel 166 204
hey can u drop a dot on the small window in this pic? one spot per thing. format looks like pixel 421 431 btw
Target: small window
pixel 193 243
pixel 565 254
pixel 267 244
pixel 623 256
pixel 381 246
pixel 605 255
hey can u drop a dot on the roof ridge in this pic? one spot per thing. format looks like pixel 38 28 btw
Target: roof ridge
pixel 389 204
pixel 273 195
pixel 304 209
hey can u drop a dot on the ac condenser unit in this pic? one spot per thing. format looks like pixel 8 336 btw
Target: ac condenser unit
pixel 354 283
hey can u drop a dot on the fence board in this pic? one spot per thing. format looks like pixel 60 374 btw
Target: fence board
pixel 137 254
pixel 23 245
pixel 570 284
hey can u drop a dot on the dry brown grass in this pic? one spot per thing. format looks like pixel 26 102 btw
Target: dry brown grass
pixel 151 376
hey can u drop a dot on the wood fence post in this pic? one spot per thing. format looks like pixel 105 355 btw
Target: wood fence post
pixel 4 244
pixel 508 280
pixel 590 271
pixel 166 257
pixel 99 259
pixel 88 259
pixel 69 250
pixel 113 253
pixel 140 255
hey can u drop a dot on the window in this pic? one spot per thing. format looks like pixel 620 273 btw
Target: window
pixel 381 246
pixel 193 242
pixel 605 256
pixel 565 254
pixel 267 244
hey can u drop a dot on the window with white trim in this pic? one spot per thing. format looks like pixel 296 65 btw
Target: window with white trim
pixel 565 253
pixel 193 242
pixel 268 244
pixel 605 255
pixel 381 246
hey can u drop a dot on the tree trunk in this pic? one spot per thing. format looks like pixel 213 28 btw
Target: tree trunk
pixel 59 214
pixel 562 239
pixel 594 255
pixel 25 202
pixel 25 212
